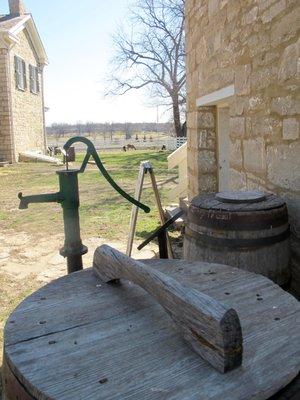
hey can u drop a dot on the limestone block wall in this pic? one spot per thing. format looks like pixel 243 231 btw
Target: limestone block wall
pixel 255 46
pixel 6 138
pixel 27 108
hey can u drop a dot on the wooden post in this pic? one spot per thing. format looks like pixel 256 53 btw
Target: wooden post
pixel 135 210
pixel 161 211
pixel 146 167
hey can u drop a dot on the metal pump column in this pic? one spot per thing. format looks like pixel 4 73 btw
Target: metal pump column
pixel 73 248
pixel 68 197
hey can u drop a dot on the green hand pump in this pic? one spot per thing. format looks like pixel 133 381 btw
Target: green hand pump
pixel 68 197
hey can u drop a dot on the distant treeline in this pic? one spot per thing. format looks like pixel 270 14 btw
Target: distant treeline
pixel 95 128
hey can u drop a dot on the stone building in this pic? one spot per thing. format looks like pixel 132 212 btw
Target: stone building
pixel 22 60
pixel 243 71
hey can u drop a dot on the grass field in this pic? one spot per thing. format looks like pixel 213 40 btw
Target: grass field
pixel 103 212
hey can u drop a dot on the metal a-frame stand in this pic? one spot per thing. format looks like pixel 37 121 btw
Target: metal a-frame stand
pixel 146 168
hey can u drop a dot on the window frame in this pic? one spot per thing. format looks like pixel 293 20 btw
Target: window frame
pixel 20 74
pixel 34 79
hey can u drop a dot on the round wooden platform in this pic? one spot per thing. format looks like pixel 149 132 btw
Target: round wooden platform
pixel 78 338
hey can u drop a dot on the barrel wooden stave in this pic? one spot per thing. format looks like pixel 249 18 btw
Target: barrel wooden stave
pixel 271 261
pixel 12 388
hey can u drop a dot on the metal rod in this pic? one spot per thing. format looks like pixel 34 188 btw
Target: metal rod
pixel 162 245
pixel 74 263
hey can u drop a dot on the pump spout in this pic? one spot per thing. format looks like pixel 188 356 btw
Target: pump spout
pixel 39 198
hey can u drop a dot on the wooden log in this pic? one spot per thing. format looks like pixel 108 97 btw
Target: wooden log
pixel 213 330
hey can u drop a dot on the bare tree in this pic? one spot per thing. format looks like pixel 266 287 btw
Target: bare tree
pixel 153 54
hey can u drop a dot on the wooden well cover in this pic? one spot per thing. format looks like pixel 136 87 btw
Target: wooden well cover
pixel 78 338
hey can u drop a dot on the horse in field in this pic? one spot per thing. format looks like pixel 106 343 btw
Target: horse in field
pixel 130 147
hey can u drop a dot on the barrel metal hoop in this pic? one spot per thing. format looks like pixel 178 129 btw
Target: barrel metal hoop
pixel 237 243
pixel 228 221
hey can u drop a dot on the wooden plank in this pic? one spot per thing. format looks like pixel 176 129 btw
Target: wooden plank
pixel 144 168
pixel 160 210
pixel 178 156
pixel 135 210
pixel 213 330
pixel 112 328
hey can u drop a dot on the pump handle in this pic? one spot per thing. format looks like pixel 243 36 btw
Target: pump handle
pixel 91 151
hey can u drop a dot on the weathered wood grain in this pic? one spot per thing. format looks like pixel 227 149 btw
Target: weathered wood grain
pixel 213 330
pixel 94 332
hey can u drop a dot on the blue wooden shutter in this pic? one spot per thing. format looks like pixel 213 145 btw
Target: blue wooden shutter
pixel 17 72
pixel 31 78
pixel 24 74
pixel 37 80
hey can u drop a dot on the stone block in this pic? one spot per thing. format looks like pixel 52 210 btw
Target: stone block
pixel 206 119
pixel 256 103
pixel 264 4
pixel 207 183
pixel 290 129
pixel 207 162
pixel 259 43
pixel 238 106
pixel 285 28
pixel 237 180
pixel 217 41
pixel 237 127
pixel 236 154
pixel 213 7
pixel 192 120
pixel 242 79
pixel 192 140
pixel 250 17
pixel 283 165
pixel 285 105
pixel 254 155
pixel 290 63
pixel 207 139
pixel 273 11
pixel 266 126
pixel 255 183
pixel 263 77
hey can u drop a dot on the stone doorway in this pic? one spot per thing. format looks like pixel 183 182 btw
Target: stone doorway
pixel 209 143
pixel 223 147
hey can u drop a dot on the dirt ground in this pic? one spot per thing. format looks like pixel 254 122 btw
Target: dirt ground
pixel 22 256
pixel 27 264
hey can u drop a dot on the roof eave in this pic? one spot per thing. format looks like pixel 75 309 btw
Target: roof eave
pixel 28 24
pixel 7 39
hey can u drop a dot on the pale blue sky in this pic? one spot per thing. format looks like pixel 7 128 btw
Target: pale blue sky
pixel 77 38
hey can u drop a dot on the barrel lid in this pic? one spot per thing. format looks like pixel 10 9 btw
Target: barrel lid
pixel 238 197
pixel 230 201
pixel 79 338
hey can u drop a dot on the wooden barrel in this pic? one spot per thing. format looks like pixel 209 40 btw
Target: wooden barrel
pixel 79 338
pixel 247 230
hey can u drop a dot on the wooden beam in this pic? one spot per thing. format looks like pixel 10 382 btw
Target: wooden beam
pixel 135 210
pixel 213 330
pixel 160 210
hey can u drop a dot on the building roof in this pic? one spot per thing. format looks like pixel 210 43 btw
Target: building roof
pixel 11 25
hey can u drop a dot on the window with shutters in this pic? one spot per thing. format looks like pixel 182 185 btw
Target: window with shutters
pixel 34 79
pixel 20 73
